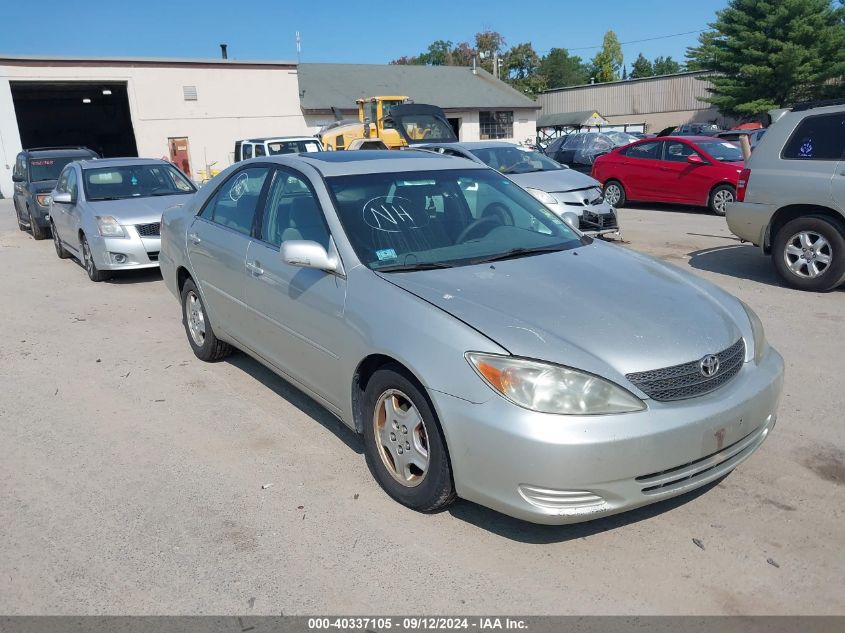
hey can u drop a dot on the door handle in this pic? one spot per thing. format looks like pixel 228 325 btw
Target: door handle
pixel 194 238
pixel 255 269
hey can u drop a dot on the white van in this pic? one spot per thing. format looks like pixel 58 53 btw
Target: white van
pixel 254 147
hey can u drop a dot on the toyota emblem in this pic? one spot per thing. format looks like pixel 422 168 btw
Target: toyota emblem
pixel 709 366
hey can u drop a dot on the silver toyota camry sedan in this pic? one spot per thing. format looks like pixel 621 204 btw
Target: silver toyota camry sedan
pixel 482 347
pixel 108 212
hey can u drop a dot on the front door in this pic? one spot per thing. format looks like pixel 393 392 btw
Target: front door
pixel 296 314
pixel 685 182
pixel 218 240
pixel 179 154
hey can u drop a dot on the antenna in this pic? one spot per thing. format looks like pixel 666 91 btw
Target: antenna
pixel 298 47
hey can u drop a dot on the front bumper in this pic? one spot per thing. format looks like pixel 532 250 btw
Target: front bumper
pixel 137 252
pixel 749 221
pixel 593 220
pixel 565 469
pixel 41 214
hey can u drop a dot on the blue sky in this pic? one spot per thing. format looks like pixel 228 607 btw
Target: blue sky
pixel 332 31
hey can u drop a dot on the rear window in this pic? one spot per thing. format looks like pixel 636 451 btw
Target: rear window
pixel 819 137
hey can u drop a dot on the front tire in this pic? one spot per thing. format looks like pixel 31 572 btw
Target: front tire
pixel 403 442
pixel 94 273
pixel 720 198
pixel 61 252
pixel 614 194
pixel 201 337
pixel 809 254
pixel 37 232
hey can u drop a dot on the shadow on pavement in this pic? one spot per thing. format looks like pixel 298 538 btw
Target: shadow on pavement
pixel 524 532
pixel 297 398
pixel 145 275
pixel 743 261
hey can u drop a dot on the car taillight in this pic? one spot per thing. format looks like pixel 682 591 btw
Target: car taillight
pixel 742 184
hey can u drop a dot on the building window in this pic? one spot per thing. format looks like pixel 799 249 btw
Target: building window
pixel 496 124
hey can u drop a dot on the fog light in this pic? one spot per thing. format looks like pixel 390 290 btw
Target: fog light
pixel 118 258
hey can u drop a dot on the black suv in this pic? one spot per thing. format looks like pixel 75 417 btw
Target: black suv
pixel 35 174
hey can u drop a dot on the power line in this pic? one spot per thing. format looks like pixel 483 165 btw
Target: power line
pixel 648 39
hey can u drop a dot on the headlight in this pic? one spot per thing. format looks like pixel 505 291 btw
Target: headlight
pixel 43 199
pixel 109 227
pixel 760 344
pixel 547 388
pixel 542 196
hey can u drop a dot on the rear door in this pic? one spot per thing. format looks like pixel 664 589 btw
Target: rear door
pixel 296 314
pixel 685 182
pixel 218 240
pixel 640 170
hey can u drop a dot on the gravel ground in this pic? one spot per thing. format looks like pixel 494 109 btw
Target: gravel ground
pixel 132 474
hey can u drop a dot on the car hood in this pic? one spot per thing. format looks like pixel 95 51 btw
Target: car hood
pixel 554 180
pixel 597 307
pixel 137 210
pixel 40 186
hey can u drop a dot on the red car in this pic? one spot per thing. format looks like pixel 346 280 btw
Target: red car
pixel 696 170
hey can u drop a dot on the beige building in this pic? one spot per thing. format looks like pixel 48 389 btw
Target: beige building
pixel 658 102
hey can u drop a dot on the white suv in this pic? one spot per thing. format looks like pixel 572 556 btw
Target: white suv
pixel 791 196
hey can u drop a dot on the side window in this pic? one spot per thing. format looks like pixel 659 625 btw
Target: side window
pixel 292 212
pixel 648 151
pixel 259 151
pixel 71 185
pixel 819 137
pixel 234 204
pixel 20 169
pixel 678 152
pixel 246 149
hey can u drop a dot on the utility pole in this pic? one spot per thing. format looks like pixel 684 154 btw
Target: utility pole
pixel 298 48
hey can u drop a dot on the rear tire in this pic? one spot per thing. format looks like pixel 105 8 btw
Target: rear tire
pixel 61 252
pixel 37 232
pixel 206 346
pixel 614 194
pixel 809 253
pixel 94 273
pixel 720 198
pixel 403 442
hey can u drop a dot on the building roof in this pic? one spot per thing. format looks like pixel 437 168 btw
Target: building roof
pixel 573 119
pixel 40 60
pixel 691 73
pixel 324 86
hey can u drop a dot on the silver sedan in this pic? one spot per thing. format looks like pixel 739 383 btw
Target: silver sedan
pixel 108 212
pixel 419 297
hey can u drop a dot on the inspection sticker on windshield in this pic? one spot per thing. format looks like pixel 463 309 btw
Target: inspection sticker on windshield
pixel 385 254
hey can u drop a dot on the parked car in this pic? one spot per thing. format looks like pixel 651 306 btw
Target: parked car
pixel 791 197
pixel 754 136
pixel 697 129
pixel 575 197
pixel 257 147
pixel 580 151
pixel 34 176
pixel 695 170
pixel 521 365
pixel 108 212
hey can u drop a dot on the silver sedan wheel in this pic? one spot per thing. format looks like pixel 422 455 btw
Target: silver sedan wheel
pixel 401 437
pixel 196 318
pixel 87 258
pixel 808 254
pixel 612 194
pixel 722 199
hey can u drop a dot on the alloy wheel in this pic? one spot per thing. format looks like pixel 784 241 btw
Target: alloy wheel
pixel 721 200
pixel 195 316
pixel 808 254
pixel 87 259
pixel 612 194
pixel 401 437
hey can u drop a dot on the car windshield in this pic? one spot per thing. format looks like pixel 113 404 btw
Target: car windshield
pixel 515 160
pixel 722 151
pixel 425 127
pixel 135 181
pixel 293 147
pixel 49 168
pixel 437 219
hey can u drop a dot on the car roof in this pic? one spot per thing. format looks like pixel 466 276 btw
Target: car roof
pixel 279 138
pixel 470 145
pixel 368 161
pixel 120 162
pixel 691 138
pixel 69 151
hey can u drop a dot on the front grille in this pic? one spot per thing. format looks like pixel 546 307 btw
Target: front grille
pixel 590 221
pixel 686 381
pixel 153 256
pixel 149 230
pixel 685 474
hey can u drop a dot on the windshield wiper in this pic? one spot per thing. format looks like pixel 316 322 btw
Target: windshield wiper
pixel 519 252
pixel 108 198
pixel 401 268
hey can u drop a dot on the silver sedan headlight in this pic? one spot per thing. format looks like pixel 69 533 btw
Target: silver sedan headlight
pixel 109 227
pixel 548 388
pixel 760 344
pixel 542 196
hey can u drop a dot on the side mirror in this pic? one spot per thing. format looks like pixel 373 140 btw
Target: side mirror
pixel 63 197
pixel 17 177
pixel 695 159
pixel 307 254
pixel 571 219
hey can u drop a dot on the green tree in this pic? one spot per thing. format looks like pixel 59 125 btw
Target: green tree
pixel 560 69
pixel 771 53
pixel 438 53
pixel 608 61
pixel 489 45
pixel 641 68
pixel 521 61
pixel 666 66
